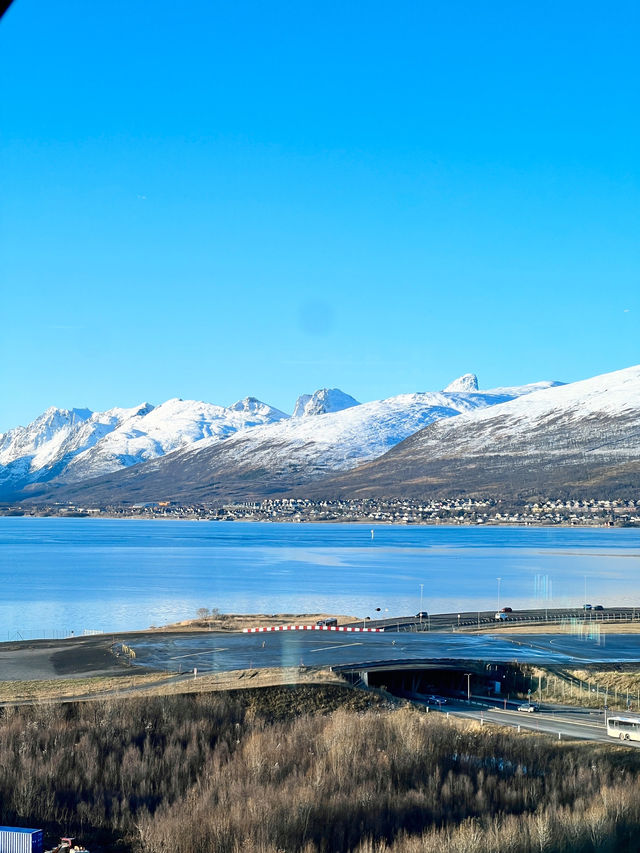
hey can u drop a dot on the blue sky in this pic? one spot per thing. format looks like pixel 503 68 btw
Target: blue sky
pixel 240 198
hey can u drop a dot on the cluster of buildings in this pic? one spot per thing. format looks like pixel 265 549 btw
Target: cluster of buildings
pixel 602 513
pixel 451 511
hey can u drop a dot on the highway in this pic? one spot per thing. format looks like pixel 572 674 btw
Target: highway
pixel 486 618
pixel 569 723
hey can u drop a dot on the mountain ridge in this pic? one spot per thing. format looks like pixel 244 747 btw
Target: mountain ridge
pixel 273 457
pixel 576 440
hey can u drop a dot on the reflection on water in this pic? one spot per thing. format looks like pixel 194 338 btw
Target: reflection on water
pixel 60 575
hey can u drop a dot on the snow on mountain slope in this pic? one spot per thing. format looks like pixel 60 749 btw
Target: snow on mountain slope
pixel 468 382
pixel 273 458
pixel 184 442
pixel 582 438
pixel 77 443
pixel 611 395
pixel 174 424
pixel 55 437
pixel 342 440
pixel 322 402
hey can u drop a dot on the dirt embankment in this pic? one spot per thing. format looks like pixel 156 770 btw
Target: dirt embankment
pixel 239 621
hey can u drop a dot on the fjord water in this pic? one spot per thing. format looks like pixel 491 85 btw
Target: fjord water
pixel 60 574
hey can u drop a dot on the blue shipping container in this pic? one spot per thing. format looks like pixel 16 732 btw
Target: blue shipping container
pixel 15 839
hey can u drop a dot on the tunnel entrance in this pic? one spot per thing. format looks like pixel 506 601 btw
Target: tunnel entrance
pixel 451 681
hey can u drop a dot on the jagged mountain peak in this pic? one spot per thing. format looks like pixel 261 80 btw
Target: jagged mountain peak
pixel 467 383
pixel 323 401
pixel 253 406
pixel 54 415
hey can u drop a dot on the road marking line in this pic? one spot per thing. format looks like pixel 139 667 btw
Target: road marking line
pixel 197 654
pixel 337 646
pixel 550 719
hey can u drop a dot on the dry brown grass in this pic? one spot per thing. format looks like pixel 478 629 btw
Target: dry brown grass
pixel 161 684
pixel 239 621
pixel 559 628
pixel 243 679
pixel 587 688
pixel 73 688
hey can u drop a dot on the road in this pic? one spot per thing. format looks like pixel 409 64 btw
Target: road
pixel 579 723
pixel 486 618
pixel 217 652
pixel 222 651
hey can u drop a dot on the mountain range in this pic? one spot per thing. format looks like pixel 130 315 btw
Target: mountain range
pixel 194 451
pixel 545 439
pixel 575 441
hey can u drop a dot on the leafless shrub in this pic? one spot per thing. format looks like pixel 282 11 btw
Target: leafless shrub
pixel 235 774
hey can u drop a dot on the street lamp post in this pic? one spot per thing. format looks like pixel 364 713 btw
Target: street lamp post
pixel 421 595
pixel 498 579
pixel 468 675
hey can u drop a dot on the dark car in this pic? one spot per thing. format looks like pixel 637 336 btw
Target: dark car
pixel 422 615
pixel 598 607
pixel 506 610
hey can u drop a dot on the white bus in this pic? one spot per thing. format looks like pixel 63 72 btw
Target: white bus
pixel 624 728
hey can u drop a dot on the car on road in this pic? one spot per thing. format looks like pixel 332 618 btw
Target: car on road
pixel 422 615
pixel 587 607
pixel 598 607
pixel 436 700
pixel 501 616
pixel 529 707
pixel 506 610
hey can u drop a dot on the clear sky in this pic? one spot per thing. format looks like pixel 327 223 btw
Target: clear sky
pixel 218 199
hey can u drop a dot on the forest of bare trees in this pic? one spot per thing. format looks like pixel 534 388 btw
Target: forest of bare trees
pixel 251 771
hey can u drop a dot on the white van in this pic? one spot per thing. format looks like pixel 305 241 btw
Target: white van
pixel 501 617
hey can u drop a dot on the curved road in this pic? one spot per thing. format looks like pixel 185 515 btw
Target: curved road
pixel 563 722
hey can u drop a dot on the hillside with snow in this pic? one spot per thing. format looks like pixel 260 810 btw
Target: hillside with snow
pixel 277 456
pixel 77 444
pixel 577 440
pixel 54 439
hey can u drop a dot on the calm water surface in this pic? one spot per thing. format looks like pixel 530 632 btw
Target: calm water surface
pixel 59 575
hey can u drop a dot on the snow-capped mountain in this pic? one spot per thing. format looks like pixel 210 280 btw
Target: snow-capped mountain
pixel 53 439
pixel 323 402
pixel 468 382
pixel 580 440
pixel 174 424
pixel 298 450
pixel 72 445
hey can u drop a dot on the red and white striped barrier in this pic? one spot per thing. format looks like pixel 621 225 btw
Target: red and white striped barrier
pixel 347 628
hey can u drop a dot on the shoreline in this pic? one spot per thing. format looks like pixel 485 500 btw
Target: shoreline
pixel 344 522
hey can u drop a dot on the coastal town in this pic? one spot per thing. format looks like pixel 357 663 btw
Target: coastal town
pixel 468 511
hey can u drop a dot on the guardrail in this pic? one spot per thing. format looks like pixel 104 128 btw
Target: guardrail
pixel 449 622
